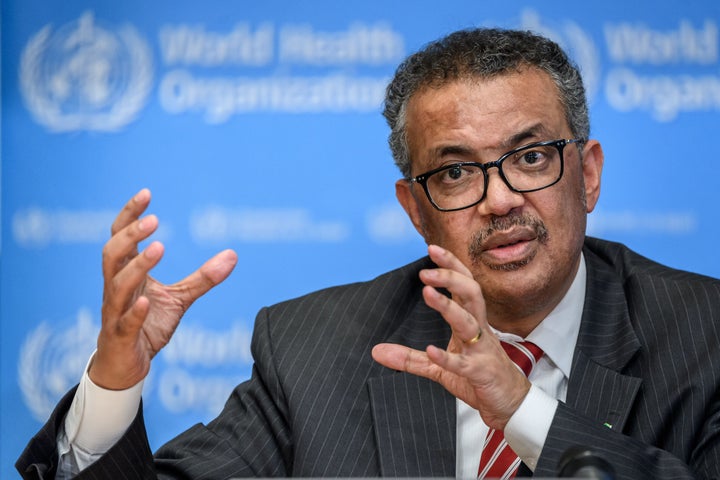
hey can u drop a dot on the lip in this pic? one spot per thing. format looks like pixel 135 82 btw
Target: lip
pixel 509 246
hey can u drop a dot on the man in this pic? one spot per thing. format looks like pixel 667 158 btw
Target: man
pixel 490 130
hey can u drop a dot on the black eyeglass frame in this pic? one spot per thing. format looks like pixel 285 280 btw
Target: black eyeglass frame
pixel 558 144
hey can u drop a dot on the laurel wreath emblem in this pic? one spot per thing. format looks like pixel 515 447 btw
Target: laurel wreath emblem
pixel 132 65
pixel 50 362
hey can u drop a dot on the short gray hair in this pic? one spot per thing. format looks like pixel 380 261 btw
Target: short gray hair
pixel 481 53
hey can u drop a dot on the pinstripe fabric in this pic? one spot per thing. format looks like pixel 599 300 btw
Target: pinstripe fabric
pixel 647 362
pixel 312 410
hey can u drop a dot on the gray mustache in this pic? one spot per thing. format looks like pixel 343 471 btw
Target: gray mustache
pixel 500 224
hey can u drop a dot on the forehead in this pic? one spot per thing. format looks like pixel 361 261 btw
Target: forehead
pixel 485 113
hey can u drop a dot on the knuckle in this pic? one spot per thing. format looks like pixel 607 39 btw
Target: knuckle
pixel 115 227
pixel 106 252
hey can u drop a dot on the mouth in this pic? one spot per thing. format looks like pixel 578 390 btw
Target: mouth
pixel 508 243
pixel 503 240
pixel 509 250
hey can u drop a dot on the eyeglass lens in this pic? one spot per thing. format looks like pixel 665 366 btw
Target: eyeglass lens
pixel 524 170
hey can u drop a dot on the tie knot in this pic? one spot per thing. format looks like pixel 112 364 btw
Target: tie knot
pixel 524 354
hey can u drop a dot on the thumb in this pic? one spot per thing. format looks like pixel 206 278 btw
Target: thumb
pixel 210 274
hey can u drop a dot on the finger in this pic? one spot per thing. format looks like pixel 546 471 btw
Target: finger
pixel 457 279
pixel 405 359
pixel 126 330
pixel 120 290
pixel 446 259
pixel 451 274
pixel 211 273
pixel 465 290
pixel 401 358
pixel 131 211
pixel 464 325
pixel 123 245
pixel 133 320
pixel 116 365
pixel 490 383
pixel 465 366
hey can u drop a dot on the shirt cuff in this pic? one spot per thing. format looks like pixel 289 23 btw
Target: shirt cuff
pixel 99 417
pixel 527 429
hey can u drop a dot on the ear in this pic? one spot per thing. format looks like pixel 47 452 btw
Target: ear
pixel 406 197
pixel 592 165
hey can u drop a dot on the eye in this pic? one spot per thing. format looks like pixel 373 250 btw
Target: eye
pixel 454 172
pixel 532 157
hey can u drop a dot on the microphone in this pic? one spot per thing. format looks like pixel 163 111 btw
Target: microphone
pixel 582 462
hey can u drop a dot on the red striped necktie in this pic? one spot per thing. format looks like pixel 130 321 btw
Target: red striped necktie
pixel 498 460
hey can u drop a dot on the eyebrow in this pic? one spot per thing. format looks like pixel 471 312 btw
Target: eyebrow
pixel 445 150
pixel 534 131
pixel 537 131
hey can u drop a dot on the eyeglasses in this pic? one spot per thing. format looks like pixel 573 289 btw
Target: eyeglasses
pixel 525 169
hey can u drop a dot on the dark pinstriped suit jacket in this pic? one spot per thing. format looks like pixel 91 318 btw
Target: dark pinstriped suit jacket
pixel 647 362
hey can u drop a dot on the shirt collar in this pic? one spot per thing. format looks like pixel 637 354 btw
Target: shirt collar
pixel 557 333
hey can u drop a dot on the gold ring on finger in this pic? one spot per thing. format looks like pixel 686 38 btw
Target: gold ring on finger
pixel 475 339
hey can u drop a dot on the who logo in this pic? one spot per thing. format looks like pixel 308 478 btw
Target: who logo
pixel 578 44
pixel 82 76
pixel 52 360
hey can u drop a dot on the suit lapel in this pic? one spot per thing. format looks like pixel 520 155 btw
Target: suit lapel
pixel 606 343
pixel 414 417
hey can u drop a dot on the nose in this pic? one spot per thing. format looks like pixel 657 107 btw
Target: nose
pixel 499 198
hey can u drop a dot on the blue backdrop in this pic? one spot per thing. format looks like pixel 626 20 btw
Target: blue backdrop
pixel 257 126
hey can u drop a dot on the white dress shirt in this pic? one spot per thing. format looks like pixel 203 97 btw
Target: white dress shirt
pixel 527 429
pixel 89 431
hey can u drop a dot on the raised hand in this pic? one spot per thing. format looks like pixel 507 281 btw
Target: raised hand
pixel 474 367
pixel 140 314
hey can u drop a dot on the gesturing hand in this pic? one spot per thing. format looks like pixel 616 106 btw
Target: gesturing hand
pixel 474 367
pixel 140 314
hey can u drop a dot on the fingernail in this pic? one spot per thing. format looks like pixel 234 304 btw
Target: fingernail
pixel 139 196
pixel 430 273
pixel 146 223
pixel 437 248
pixel 153 251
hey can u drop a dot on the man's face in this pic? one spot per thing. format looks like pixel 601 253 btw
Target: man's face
pixel 523 249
